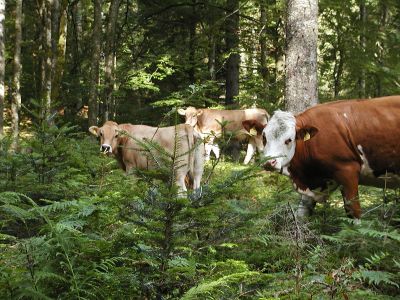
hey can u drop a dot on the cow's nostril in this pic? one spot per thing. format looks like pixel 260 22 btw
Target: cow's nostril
pixel 105 148
pixel 272 162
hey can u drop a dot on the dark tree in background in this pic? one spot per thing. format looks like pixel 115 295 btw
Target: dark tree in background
pixel 301 55
pixel 93 102
pixel 16 84
pixel 232 48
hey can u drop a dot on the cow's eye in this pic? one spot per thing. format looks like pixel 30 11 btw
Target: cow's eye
pixel 264 140
pixel 101 134
pixel 116 135
pixel 288 141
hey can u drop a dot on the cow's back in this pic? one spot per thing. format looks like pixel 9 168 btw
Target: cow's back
pixel 132 151
pixel 366 131
pixel 211 119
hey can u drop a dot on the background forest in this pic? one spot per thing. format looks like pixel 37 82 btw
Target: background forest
pixel 73 226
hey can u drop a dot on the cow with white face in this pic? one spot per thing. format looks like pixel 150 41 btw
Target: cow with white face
pixel 207 122
pixel 280 134
pixel 341 143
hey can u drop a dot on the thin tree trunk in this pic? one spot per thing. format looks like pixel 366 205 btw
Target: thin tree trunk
pixel 232 47
pixel 338 70
pixel 47 76
pixel 109 72
pixel 94 70
pixel 59 53
pixel 16 94
pixel 212 57
pixel 2 64
pixel 192 37
pixel 263 50
pixel 301 55
pixel 74 33
pixel 361 79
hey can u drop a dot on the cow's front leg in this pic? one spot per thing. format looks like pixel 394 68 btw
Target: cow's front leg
pixel 251 148
pixel 348 177
pixel 306 206
pixel 208 148
pixel 216 150
pixel 180 182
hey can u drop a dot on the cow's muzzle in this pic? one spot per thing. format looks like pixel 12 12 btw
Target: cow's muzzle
pixel 270 165
pixel 105 148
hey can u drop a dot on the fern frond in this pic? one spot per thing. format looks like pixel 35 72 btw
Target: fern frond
pixel 377 277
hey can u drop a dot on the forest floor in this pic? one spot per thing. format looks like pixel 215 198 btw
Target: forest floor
pixel 70 214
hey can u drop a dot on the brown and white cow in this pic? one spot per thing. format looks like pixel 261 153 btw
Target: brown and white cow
pixel 341 143
pixel 207 122
pixel 121 141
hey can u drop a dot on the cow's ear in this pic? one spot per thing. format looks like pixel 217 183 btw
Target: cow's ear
pixel 199 112
pixel 251 125
pixel 306 133
pixel 94 130
pixel 182 111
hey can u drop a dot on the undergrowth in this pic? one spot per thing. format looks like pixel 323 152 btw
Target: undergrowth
pixel 73 226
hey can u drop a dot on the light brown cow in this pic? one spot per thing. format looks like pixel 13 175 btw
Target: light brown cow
pixel 122 141
pixel 207 122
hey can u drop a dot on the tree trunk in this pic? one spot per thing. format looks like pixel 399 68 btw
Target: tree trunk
pixel 192 37
pixel 263 51
pixel 59 44
pixel 109 72
pixel 301 55
pixel 338 69
pixel 361 79
pixel 232 47
pixel 16 93
pixel 73 101
pixel 47 60
pixel 2 64
pixel 212 56
pixel 94 70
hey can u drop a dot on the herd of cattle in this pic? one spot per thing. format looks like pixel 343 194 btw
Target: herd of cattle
pixel 341 143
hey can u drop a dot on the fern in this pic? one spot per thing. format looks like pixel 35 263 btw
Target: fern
pixel 376 277
pixel 211 289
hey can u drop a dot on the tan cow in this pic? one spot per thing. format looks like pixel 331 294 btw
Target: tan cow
pixel 207 122
pixel 122 141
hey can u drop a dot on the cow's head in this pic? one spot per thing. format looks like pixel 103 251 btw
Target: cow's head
pixel 281 135
pixel 108 135
pixel 255 129
pixel 191 114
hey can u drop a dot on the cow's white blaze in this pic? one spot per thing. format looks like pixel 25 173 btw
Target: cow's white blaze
pixel 280 133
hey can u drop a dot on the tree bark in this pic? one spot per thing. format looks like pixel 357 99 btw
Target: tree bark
pixel 192 50
pixel 47 60
pixel 301 55
pixel 59 44
pixel 361 79
pixel 73 99
pixel 16 93
pixel 232 47
pixel 263 51
pixel 109 71
pixel 94 70
pixel 2 64
pixel 212 56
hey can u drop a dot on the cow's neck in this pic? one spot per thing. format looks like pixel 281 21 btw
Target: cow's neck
pixel 299 165
pixel 117 151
